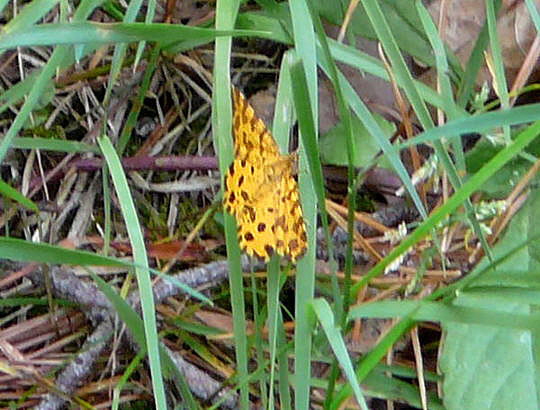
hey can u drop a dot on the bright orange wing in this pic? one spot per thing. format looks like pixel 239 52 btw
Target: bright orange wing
pixel 260 190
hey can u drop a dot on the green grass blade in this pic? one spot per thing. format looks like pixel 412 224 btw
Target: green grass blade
pixel 478 123
pixel 138 104
pixel 124 310
pixel 474 63
pixel 372 359
pixel 441 61
pixel 274 325
pixel 364 62
pixel 137 327
pixel 23 251
pixel 442 313
pixel 111 33
pixel 451 111
pixel 226 13
pixel 120 51
pixel 124 379
pixel 30 14
pixel 333 333
pixel 450 108
pixel 60 58
pixel 142 272
pixel 9 192
pixel 41 82
pixel 404 79
pixel 399 67
pixel 148 18
pixel 346 119
pixel 533 11
pixel 311 188
pixel 460 196
pixel 305 49
pixel 371 124
pixel 47 144
pixel 500 84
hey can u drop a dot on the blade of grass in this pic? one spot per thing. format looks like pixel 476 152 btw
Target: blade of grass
pixel 499 79
pixel 442 313
pixel 364 62
pixel 137 328
pixel 107 209
pixel 346 118
pixel 478 123
pixel 31 13
pixel 120 51
pixel 130 369
pixel 60 57
pixel 533 11
pixel 53 145
pixel 111 33
pixel 474 63
pixel 259 319
pixel 282 124
pixel 370 360
pixel 441 62
pixel 341 298
pixel 305 48
pixel 399 67
pixel 10 192
pixel 143 275
pixel 311 187
pixel 450 108
pixel 24 251
pixel 226 13
pixel 138 104
pixel 279 27
pixel 332 330
pixel 16 92
pixel 400 70
pixel 283 354
pixel 467 189
pixel 362 112
pixel 148 19
pixel 274 325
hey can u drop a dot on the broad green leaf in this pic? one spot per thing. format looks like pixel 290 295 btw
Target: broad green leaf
pixel 492 367
pixel 333 145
